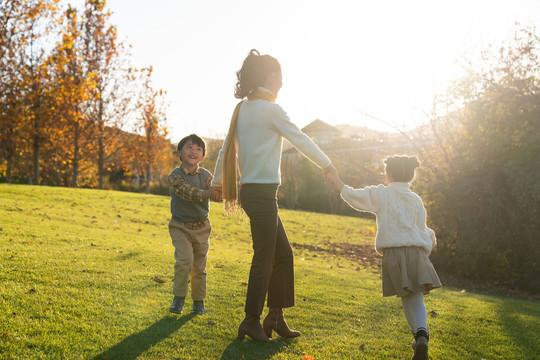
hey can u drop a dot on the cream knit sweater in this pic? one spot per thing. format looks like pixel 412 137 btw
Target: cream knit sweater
pixel 401 215
pixel 261 127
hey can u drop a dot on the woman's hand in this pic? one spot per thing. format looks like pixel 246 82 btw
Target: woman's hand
pixel 332 176
pixel 330 169
pixel 219 190
pixel 214 193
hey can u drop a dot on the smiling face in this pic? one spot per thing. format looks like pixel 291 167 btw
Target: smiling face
pixel 191 154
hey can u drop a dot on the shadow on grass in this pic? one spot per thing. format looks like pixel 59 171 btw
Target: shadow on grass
pixel 249 349
pixel 134 345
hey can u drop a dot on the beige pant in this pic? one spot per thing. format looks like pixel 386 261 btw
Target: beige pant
pixel 190 252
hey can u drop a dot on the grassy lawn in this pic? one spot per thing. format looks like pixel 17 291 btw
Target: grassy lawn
pixel 78 271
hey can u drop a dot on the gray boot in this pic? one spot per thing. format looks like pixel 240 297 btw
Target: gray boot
pixel 177 304
pixel 198 307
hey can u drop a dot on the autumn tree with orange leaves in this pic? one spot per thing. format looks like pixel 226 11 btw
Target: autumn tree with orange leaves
pixel 110 100
pixel 74 83
pixel 152 154
pixel 75 113
pixel 24 25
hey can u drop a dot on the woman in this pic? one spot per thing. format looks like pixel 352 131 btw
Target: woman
pixel 254 144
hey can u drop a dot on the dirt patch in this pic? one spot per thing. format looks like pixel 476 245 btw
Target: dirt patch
pixel 485 287
pixel 368 257
pixel 364 254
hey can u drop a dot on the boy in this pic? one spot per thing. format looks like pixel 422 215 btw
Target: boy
pixel 189 226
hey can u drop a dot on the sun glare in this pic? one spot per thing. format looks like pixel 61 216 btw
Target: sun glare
pixel 340 59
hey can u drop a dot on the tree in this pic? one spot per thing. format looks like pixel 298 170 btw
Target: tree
pixel 151 150
pixel 35 78
pixel 23 26
pixel 109 101
pixel 74 83
pixel 10 41
pixel 483 190
pixel 64 109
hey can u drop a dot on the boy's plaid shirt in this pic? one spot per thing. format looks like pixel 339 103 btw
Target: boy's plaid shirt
pixel 184 190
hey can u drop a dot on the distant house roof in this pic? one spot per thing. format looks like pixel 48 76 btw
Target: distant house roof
pixel 319 126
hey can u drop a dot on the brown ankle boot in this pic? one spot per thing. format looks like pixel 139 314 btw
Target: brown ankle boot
pixel 251 326
pixel 275 321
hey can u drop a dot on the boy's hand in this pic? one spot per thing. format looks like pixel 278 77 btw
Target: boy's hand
pixel 219 190
pixel 214 193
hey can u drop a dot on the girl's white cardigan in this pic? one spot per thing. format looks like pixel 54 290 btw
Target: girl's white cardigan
pixel 401 215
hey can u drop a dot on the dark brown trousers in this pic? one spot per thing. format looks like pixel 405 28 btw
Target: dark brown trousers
pixel 272 268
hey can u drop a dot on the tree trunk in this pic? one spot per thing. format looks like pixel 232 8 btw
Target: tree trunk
pixel 101 146
pixel 36 159
pixel 101 162
pixel 148 158
pixel 76 155
pixel 36 138
pixel 148 177
pixel 8 170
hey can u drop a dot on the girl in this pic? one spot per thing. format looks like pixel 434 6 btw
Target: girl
pixel 254 143
pixel 403 239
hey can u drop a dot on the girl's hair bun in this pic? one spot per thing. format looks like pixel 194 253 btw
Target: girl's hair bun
pixel 401 167
pixel 413 162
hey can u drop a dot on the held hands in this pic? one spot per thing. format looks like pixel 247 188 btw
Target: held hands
pixel 330 174
pixel 330 169
pixel 214 193
pixel 217 192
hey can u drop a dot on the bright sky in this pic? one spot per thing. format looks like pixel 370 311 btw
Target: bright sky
pixel 339 58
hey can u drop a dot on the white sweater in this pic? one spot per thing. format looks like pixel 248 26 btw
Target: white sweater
pixel 401 215
pixel 261 127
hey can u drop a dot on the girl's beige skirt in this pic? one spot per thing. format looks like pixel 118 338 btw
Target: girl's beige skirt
pixel 407 270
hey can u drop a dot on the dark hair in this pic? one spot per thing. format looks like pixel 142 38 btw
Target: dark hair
pixel 254 72
pixel 401 168
pixel 195 139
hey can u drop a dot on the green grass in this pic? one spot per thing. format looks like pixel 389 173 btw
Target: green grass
pixel 77 271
